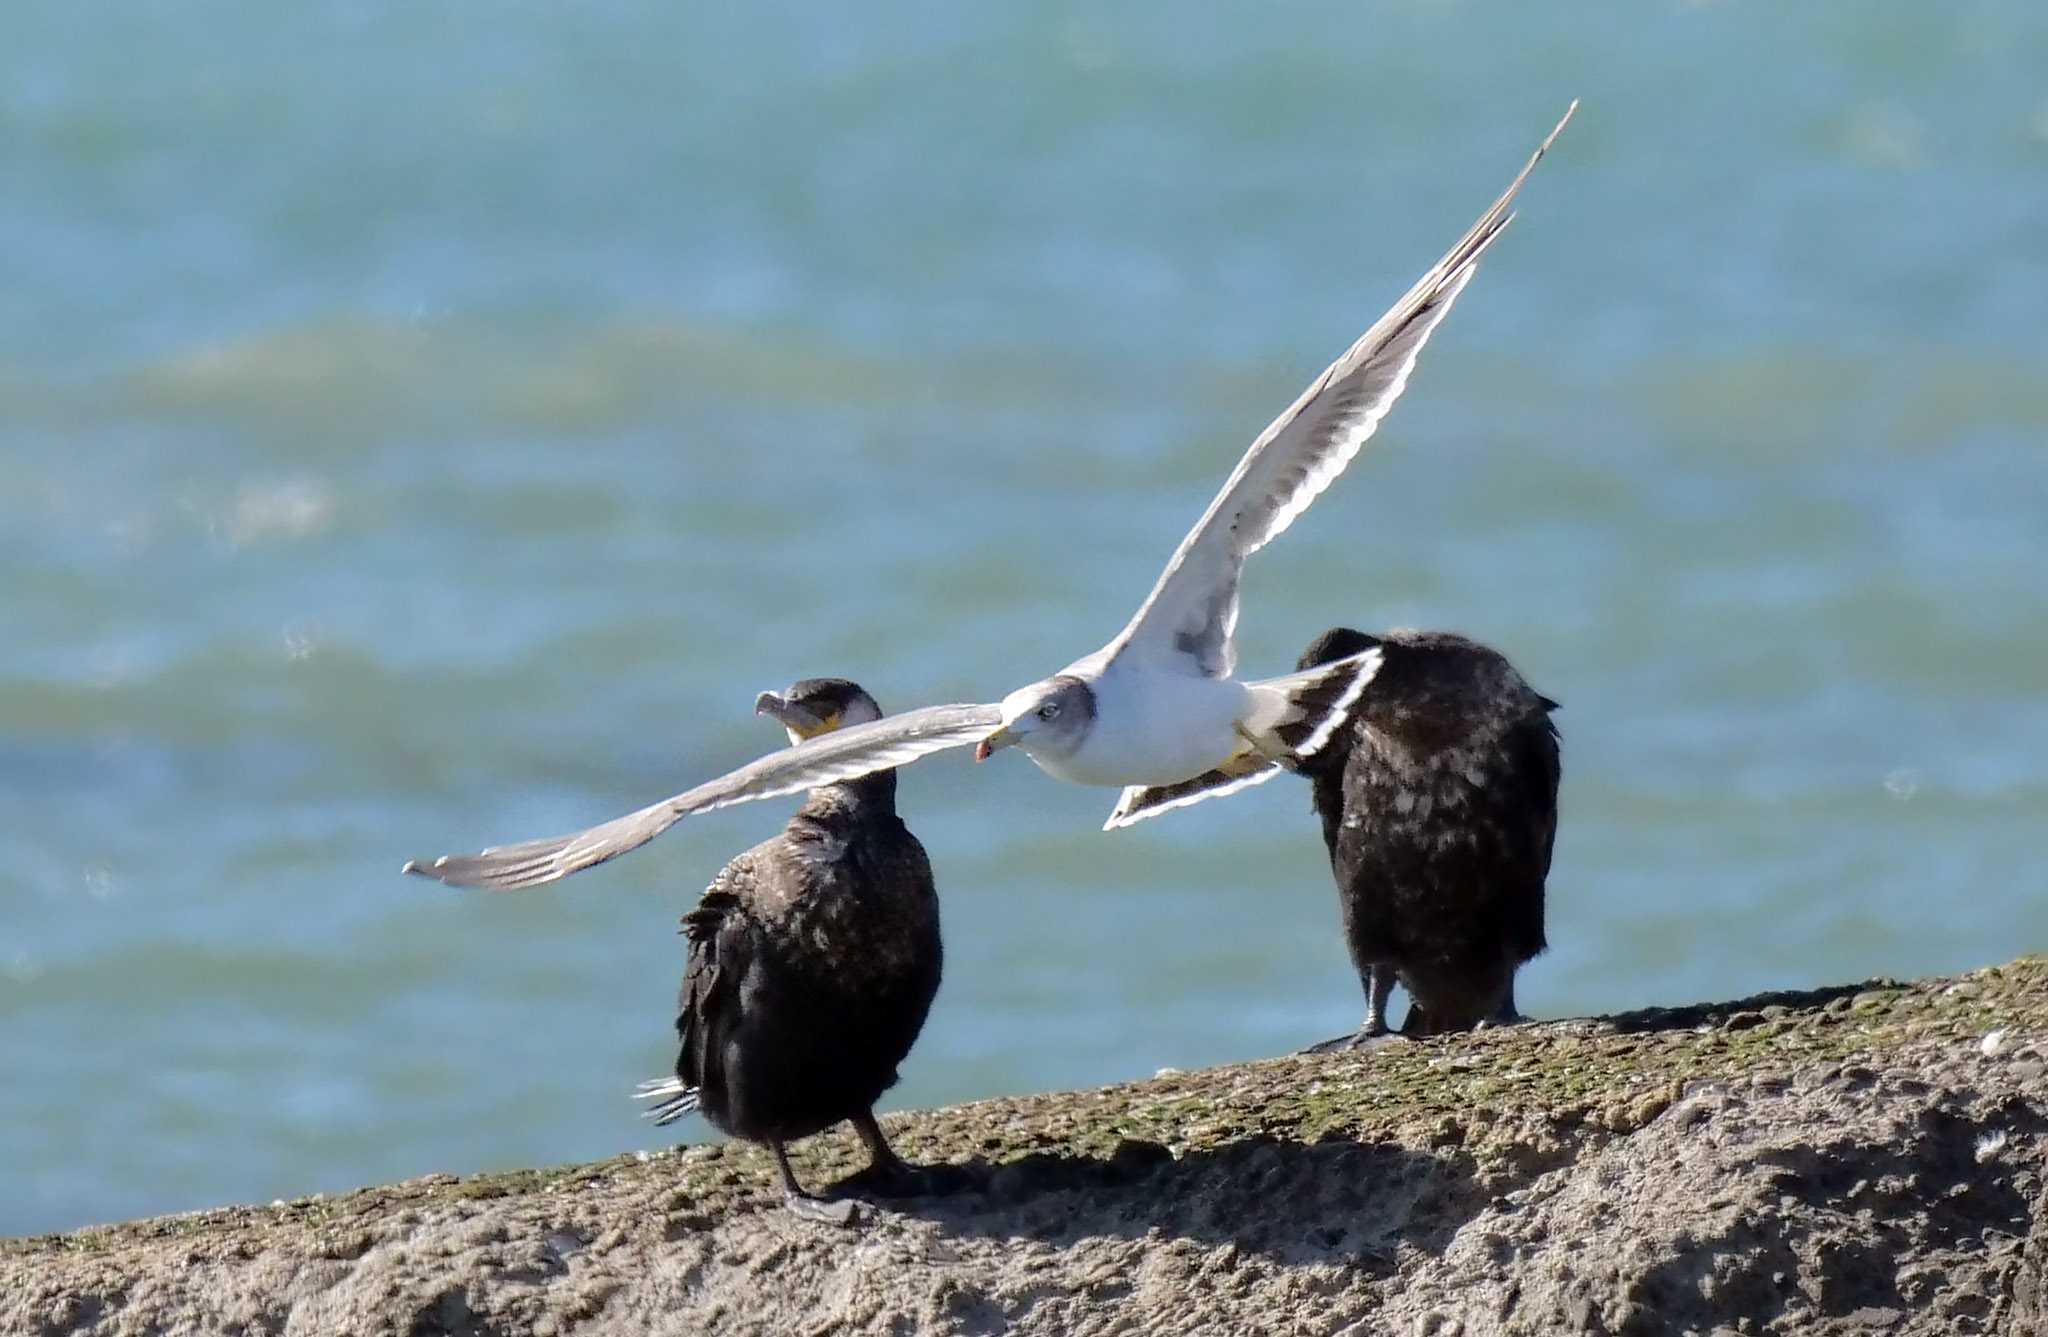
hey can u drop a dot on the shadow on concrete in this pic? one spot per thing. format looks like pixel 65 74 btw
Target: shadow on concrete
pixel 1334 1201
pixel 1717 1015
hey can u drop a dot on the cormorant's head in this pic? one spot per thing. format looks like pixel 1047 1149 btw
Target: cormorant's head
pixel 1048 719
pixel 1334 644
pixel 818 705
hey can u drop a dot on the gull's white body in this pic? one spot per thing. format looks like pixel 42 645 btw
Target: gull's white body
pixel 1151 728
pixel 1159 706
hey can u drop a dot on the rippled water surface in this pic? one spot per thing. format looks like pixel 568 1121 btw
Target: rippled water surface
pixel 423 430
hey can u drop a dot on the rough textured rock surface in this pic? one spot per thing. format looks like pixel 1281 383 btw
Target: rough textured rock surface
pixel 1869 1159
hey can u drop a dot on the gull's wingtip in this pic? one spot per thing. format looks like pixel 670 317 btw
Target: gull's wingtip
pixel 1558 129
pixel 1122 817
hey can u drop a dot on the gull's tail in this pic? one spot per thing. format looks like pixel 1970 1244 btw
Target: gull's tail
pixel 674 1099
pixel 1292 717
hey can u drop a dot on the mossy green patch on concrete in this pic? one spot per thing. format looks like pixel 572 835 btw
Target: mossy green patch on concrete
pixel 1501 1098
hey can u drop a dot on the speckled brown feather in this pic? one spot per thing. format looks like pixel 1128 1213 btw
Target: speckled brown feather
pixel 814 959
pixel 1439 809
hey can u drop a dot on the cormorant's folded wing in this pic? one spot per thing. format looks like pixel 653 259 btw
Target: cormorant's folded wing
pixel 845 754
pixel 1191 613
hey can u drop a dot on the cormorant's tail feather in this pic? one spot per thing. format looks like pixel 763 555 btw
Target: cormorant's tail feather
pixel 675 1099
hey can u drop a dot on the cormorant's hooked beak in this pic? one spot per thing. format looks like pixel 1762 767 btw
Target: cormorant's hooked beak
pixel 988 746
pixel 800 722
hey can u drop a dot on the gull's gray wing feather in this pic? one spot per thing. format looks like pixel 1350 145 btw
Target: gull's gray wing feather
pixel 1192 611
pixel 844 754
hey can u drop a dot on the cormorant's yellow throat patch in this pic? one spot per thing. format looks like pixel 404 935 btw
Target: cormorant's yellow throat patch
pixel 826 724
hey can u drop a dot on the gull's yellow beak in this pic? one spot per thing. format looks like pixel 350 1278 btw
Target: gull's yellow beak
pixel 988 746
pixel 800 722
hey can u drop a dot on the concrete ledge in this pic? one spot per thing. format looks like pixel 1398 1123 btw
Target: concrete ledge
pixel 1862 1159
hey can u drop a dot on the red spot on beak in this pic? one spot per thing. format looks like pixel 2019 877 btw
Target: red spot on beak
pixel 982 751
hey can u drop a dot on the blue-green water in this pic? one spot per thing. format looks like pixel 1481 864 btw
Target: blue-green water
pixel 425 427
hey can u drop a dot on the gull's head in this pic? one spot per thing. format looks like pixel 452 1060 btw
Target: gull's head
pixel 1047 719
pixel 816 706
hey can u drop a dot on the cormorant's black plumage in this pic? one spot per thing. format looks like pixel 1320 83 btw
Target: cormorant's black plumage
pixel 813 959
pixel 1438 801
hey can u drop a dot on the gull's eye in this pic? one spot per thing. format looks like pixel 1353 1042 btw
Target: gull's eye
pixel 1049 711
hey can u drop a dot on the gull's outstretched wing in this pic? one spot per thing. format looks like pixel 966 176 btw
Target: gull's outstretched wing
pixel 1192 611
pixel 844 754
pixel 1142 801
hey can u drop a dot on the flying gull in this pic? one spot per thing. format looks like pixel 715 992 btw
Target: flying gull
pixel 1158 711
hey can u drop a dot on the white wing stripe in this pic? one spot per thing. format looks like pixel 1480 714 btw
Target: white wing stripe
pixel 1119 819
pixel 1192 609
pixel 1351 436
pixel 1369 662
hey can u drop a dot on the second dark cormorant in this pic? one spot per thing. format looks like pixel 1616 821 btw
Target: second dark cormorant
pixel 813 959
pixel 1438 801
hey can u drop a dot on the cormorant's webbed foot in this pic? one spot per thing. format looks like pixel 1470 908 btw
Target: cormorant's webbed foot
pixel 1364 1037
pixel 806 1205
pixel 1379 987
pixel 837 1212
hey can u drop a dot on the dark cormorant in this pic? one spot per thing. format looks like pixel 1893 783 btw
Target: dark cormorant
pixel 813 960
pixel 1439 807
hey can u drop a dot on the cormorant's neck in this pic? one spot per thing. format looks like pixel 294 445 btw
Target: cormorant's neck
pixel 871 793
